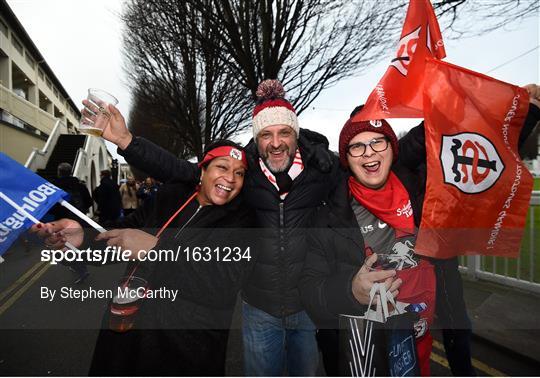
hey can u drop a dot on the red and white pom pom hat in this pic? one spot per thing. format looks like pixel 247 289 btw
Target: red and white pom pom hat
pixel 272 108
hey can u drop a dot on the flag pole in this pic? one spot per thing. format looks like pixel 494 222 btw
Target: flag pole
pixel 30 216
pixel 81 215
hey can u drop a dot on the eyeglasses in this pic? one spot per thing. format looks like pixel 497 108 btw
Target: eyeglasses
pixel 359 149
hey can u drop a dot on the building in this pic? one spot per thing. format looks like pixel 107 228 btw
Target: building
pixel 37 115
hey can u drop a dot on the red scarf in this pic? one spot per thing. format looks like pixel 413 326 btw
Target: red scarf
pixel 391 204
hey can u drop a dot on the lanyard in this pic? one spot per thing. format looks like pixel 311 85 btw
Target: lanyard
pixel 176 214
pixel 163 229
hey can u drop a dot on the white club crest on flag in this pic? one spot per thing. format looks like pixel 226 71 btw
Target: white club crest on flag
pixel 470 162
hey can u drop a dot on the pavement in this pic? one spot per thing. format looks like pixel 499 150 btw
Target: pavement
pixel 505 317
pixel 506 333
pixel 37 338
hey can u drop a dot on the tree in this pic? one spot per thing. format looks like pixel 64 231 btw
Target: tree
pixel 232 45
pixel 185 85
pixel 308 45
pixel 474 17
pixel 147 119
pixel 311 44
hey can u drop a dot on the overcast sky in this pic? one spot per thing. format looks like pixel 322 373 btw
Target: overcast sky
pixel 81 42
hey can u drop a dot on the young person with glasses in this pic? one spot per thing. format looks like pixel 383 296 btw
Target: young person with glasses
pixel 377 209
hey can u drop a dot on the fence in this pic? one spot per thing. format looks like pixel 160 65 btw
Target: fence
pixel 523 272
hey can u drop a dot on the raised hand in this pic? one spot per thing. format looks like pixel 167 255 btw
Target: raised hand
pixel 110 120
pixel 534 93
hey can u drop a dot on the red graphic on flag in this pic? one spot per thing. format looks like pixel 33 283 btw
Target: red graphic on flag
pixel 478 190
pixel 399 93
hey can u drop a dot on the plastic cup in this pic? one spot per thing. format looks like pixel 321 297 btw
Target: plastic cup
pixel 126 302
pixel 100 99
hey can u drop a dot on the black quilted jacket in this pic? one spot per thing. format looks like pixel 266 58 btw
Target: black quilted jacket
pixel 273 286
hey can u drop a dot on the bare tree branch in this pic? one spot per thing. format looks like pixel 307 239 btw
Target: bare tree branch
pixel 188 84
pixel 199 61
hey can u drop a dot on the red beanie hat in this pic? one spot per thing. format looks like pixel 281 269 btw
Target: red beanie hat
pixel 272 108
pixel 352 129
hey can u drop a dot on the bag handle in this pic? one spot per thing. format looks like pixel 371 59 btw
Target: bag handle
pixel 385 297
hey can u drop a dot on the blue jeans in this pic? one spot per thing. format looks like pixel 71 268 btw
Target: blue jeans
pixel 272 344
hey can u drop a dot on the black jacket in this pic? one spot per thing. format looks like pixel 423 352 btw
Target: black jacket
pixel 282 244
pixel 79 197
pixel 189 335
pixel 107 197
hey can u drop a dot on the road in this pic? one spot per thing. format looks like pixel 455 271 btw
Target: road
pixel 42 337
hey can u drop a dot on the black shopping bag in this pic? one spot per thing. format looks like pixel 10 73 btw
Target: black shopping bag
pixel 379 343
pixel 363 347
pixel 401 345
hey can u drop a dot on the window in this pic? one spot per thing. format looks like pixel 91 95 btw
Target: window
pixel 41 75
pixel 29 60
pixel 55 91
pixel 18 46
pixel 3 28
pixel 49 84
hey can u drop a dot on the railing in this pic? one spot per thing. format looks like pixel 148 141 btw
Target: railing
pixel 82 166
pixel 38 158
pixel 81 160
pixel 523 272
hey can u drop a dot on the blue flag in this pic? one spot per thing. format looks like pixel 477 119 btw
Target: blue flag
pixel 28 190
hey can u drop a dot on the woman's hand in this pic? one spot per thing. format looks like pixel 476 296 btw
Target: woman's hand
pixel 56 234
pixel 111 121
pixel 364 279
pixel 136 241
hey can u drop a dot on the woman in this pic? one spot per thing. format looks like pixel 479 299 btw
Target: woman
pixel 187 335
pixel 128 192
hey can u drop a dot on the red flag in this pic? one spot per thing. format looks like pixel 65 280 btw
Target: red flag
pixel 478 190
pixel 399 93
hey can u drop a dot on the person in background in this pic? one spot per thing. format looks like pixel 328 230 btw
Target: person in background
pixel 128 192
pixel 107 197
pixel 147 190
pixel 81 199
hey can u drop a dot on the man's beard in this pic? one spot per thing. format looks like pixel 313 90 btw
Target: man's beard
pixel 281 167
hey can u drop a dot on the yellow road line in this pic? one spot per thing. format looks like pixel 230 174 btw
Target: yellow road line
pixel 487 369
pixel 477 364
pixel 23 289
pixel 438 345
pixel 439 359
pixel 21 279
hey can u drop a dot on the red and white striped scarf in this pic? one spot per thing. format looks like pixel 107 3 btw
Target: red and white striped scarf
pixel 294 171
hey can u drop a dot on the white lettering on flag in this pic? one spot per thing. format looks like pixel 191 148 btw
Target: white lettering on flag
pixel 31 202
